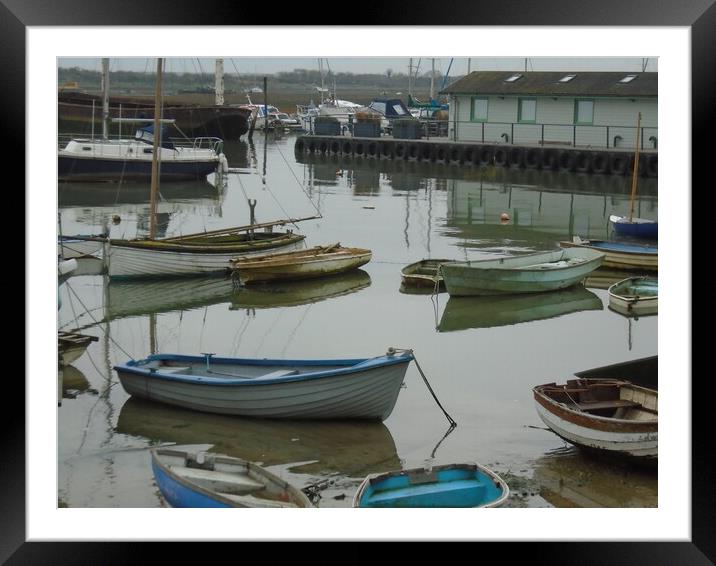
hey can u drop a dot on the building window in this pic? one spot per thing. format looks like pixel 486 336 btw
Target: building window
pixel 478 112
pixel 527 110
pixel 583 111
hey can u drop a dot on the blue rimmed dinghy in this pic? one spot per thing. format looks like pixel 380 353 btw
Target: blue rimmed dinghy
pixel 448 485
pixel 621 255
pixel 365 388
pixel 188 476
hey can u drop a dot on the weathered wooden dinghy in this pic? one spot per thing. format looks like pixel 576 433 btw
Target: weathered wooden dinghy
pixel 608 416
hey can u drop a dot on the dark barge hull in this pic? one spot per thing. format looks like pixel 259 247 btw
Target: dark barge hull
pixel 74 113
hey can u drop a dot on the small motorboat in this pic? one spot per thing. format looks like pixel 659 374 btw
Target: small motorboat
pixel 190 477
pixel 449 485
pixel 635 296
pixel 620 255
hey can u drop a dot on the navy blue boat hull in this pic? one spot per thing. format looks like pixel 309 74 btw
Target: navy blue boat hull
pixel 74 169
pixel 641 230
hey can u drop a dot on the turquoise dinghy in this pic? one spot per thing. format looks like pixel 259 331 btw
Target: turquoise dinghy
pixel 449 485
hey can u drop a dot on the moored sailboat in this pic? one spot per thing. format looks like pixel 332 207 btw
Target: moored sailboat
pixel 190 254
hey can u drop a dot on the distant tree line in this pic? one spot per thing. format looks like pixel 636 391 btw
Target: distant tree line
pixel 144 81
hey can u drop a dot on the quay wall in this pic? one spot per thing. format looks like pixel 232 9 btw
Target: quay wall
pixel 565 159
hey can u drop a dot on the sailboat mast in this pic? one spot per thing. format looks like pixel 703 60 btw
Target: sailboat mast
pixel 105 97
pixel 636 169
pixel 219 82
pixel 410 78
pixel 432 81
pixel 155 152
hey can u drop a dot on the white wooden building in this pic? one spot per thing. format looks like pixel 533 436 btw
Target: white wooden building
pixel 577 109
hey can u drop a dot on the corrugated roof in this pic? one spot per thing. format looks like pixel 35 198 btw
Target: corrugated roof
pixel 589 83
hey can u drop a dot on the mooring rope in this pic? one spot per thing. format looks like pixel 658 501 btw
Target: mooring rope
pixel 425 379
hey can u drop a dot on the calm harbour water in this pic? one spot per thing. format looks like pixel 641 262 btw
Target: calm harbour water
pixel 482 360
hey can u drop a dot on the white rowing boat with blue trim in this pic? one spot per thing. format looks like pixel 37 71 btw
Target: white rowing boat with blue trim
pixel 365 388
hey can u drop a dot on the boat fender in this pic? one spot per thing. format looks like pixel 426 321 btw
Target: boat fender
pixel 224 163
pixel 500 156
pixel 566 161
pixel 600 163
pixel 584 162
pixel 517 156
pixel 486 155
pixel 533 158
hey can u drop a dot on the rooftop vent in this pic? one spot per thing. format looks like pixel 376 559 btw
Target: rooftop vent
pixel 566 78
pixel 627 79
pixel 513 78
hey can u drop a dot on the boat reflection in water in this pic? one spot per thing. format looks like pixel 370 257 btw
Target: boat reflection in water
pixel 604 277
pixel 125 298
pixel 349 448
pixel 485 312
pixel 568 478
pixel 74 382
pixel 71 194
pixel 299 292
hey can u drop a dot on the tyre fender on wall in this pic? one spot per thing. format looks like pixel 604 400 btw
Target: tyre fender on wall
pixel 500 156
pixel 566 161
pixel 533 158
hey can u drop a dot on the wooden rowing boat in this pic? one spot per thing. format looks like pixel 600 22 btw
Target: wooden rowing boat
pixel 635 296
pixel 449 485
pixel 190 477
pixel 364 388
pixel 71 345
pixel 529 273
pixel 607 416
pixel 424 274
pixel 311 263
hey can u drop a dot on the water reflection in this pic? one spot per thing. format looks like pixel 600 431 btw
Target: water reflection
pixel 299 292
pixel 350 448
pixel 558 181
pixel 73 382
pixel 137 298
pixel 569 478
pixel 484 312
pixel 113 194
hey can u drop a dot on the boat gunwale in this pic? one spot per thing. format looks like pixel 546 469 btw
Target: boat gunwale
pixel 297 494
pixel 361 365
pixel 614 291
pixel 372 478
pixel 549 402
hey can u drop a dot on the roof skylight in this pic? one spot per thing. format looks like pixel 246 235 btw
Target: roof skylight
pixel 566 78
pixel 513 78
pixel 628 79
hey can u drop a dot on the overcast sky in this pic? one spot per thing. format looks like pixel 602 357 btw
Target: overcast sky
pixel 270 65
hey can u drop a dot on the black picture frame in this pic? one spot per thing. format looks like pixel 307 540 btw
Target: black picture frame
pixel 699 16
